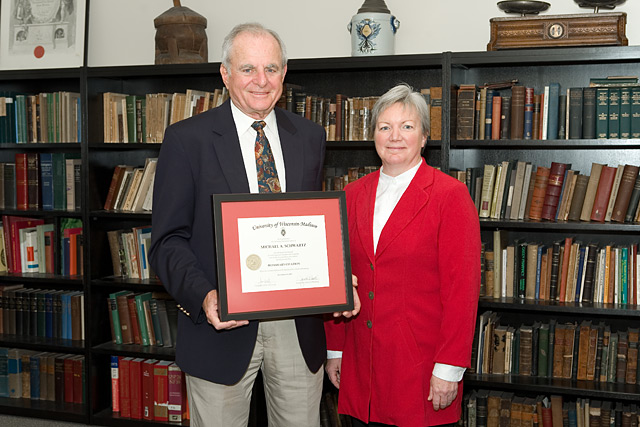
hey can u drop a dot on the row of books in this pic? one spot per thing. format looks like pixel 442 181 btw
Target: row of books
pixel 129 250
pixel 518 190
pixel 28 246
pixel 46 181
pixel 33 375
pixel 144 318
pixel 144 118
pixel 44 313
pixel 148 389
pixel 574 113
pixel 131 188
pixel 43 117
pixel 566 271
pixel 493 408
pixel 582 351
pixel 336 178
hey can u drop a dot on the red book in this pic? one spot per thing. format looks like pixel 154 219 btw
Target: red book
pixel 135 384
pixel 161 390
pixel 49 251
pixel 175 394
pixel 116 180
pixel 133 315
pixel 554 189
pixel 547 417
pixel 147 388
pixel 601 200
pixel 125 390
pixel 539 190
pixel 68 380
pixel 22 182
pixel 78 367
pixel 16 223
pixel 496 114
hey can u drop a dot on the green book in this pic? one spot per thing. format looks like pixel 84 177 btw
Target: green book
pixel 113 307
pixel 144 333
pixel 142 131
pixel 543 349
pixel 602 113
pixel 131 118
pixel 625 112
pixel 635 112
pixel 614 113
pixel 60 179
pixel 157 329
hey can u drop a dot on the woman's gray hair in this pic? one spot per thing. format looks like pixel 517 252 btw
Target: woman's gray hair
pixel 252 28
pixel 405 95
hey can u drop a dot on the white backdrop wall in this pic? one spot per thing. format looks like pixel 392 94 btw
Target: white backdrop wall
pixel 121 32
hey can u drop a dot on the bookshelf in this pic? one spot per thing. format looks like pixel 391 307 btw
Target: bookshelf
pixel 357 76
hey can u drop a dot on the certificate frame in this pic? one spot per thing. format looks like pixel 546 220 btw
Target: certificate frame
pixel 231 210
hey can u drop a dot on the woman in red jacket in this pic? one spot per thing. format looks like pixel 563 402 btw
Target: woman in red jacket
pixel 415 249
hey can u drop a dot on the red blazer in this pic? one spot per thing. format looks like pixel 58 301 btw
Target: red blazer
pixel 419 297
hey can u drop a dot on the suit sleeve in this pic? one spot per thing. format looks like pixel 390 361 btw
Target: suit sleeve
pixel 171 254
pixel 459 266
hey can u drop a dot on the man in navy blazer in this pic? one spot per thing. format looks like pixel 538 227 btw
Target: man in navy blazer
pixel 213 153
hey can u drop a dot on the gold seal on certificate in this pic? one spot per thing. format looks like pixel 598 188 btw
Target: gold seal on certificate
pixel 253 262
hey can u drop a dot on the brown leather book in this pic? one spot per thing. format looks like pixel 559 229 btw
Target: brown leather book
pixel 593 351
pixel 517 112
pixel 556 410
pixel 496 117
pixel 595 414
pixel 632 356
pixel 125 319
pixel 465 114
pixel 567 194
pixel 621 367
pixel 529 413
pixel 116 180
pixel 567 356
pixel 436 113
pixel 564 272
pixel 601 199
pixel 539 190
pixel 536 116
pixel 627 182
pixel 526 336
pixel 133 316
pixel 558 350
pixel 493 408
pixel 579 192
pixel 554 188
pixel 583 352
pixel 590 194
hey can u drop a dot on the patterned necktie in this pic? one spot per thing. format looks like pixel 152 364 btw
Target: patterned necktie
pixel 268 181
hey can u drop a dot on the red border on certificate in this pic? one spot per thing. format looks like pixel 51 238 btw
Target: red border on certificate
pixel 334 296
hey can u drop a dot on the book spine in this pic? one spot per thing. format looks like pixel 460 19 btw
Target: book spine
pixel 602 113
pixel 115 385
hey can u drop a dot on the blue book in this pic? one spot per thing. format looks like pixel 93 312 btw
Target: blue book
pixel 15 373
pixel 489 113
pixel 554 110
pixel 46 180
pixel 48 314
pixel 65 299
pixel 528 113
pixel 34 376
pixel 4 372
pixel 581 267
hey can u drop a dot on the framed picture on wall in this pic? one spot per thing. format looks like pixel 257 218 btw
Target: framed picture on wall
pixel 42 33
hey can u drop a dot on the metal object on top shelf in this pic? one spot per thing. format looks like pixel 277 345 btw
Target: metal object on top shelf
pixel 523 7
pixel 597 4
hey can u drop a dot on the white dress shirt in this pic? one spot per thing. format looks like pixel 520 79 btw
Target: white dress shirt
pixel 247 137
pixel 390 190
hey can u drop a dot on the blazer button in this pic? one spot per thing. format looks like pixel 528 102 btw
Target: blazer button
pixel 369 324
pixel 371 265
pixel 371 295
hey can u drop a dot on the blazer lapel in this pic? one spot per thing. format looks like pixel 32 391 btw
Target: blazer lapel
pixel 412 201
pixel 227 147
pixel 292 151
pixel 364 214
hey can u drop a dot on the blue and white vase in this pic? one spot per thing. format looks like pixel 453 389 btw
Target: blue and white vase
pixel 373 30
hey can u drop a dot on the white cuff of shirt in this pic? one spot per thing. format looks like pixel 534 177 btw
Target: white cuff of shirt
pixel 448 372
pixel 333 354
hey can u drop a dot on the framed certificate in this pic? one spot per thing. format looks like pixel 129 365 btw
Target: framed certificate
pixel 282 254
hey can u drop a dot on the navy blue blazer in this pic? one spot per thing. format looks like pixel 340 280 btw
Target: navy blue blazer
pixel 201 156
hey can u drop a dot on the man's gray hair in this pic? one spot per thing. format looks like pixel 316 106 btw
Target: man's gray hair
pixel 252 28
pixel 406 96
